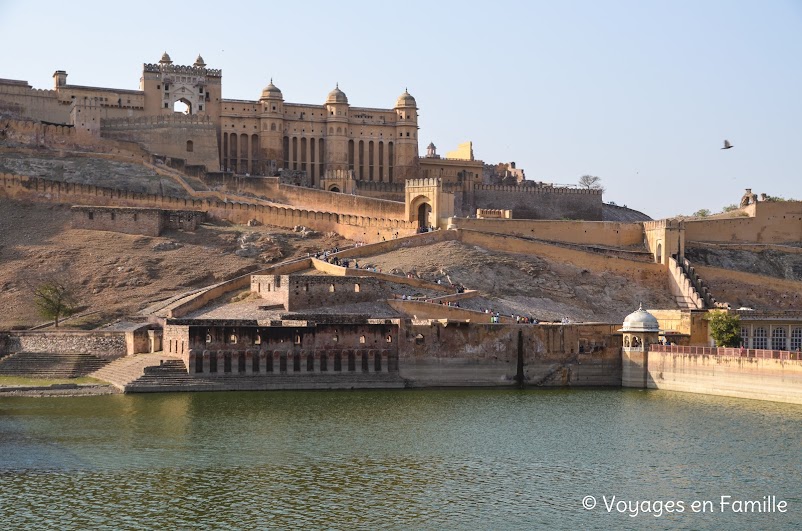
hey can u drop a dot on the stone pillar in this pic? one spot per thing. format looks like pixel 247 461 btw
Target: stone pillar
pixel 221 362
pixel 192 361
pixel 249 362
pixel 205 362
pixel 317 362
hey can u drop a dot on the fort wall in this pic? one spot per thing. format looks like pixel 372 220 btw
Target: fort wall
pixel 192 138
pixel 772 222
pixel 606 233
pixel 724 372
pixel 532 202
pixel 360 228
pixel 19 99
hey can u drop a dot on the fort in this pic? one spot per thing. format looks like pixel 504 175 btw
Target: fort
pixel 385 307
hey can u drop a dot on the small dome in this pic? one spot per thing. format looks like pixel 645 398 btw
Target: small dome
pixel 406 100
pixel 337 96
pixel 431 146
pixel 640 321
pixel 199 62
pixel 166 58
pixel 272 92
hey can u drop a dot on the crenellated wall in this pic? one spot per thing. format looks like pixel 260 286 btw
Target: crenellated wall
pixel 361 228
pixel 533 202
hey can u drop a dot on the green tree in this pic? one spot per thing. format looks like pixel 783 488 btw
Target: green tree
pixel 701 213
pixel 725 328
pixel 54 299
pixel 729 208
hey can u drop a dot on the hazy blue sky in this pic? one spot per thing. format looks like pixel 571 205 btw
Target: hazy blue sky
pixel 640 93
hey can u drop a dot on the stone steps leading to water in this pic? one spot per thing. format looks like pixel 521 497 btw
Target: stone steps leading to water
pixel 49 365
pixel 123 371
pixel 172 376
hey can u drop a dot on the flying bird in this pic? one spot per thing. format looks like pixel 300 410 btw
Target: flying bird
pixel 727 145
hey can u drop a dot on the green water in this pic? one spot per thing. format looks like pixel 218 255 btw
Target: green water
pixel 394 460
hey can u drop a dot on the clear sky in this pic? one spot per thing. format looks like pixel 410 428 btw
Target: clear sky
pixel 639 93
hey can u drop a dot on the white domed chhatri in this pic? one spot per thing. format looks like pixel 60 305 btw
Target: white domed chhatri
pixel 640 321
pixel 406 100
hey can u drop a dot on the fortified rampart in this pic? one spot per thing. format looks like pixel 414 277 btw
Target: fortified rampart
pixel 360 228
pixel 20 99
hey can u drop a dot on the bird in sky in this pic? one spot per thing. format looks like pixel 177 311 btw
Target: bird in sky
pixel 727 145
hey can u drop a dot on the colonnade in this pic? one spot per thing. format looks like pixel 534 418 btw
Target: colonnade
pixel 265 362
pixel 771 337
pixel 241 153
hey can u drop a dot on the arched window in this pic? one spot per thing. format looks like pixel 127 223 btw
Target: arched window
pixel 331 288
pixel 778 339
pixel 796 339
pixel 258 339
pixel 760 339
pixel 233 339
pixel 297 339
pixel 190 146
pixel 361 340
pixel 208 337
pixel 356 288
pixel 626 341
pixel 745 337
pixel 389 338
pixel 272 126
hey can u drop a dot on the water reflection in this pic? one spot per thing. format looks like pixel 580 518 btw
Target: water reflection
pixel 388 459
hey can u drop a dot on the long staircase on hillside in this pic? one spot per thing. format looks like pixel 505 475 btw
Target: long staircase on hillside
pixel 689 289
pixel 50 366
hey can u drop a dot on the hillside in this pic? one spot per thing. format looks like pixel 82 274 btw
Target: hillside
pixel 118 274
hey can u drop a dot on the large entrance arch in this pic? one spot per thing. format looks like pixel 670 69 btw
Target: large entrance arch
pixel 334 189
pixel 182 106
pixel 424 215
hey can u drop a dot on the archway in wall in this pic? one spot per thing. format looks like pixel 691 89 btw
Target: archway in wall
pixel 334 188
pixel 424 215
pixel 182 106
pixel 659 255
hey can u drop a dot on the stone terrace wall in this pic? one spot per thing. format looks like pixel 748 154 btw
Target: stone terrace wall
pixel 107 345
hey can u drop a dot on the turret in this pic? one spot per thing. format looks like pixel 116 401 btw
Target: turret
pixel 406 146
pixel 59 78
pixel 272 124
pixel 337 130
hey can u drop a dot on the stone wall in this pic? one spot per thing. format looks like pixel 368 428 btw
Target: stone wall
pixel 192 138
pixel 767 222
pixel 360 228
pixel 724 372
pixel 533 202
pixel 444 354
pixel 107 345
pixel 605 233
pixel 130 220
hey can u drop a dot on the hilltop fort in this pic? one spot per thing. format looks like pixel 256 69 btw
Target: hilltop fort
pixel 263 244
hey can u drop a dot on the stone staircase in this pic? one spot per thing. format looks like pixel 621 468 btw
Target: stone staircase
pixel 688 288
pixel 172 376
pixel 123 371
pixel 50 366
